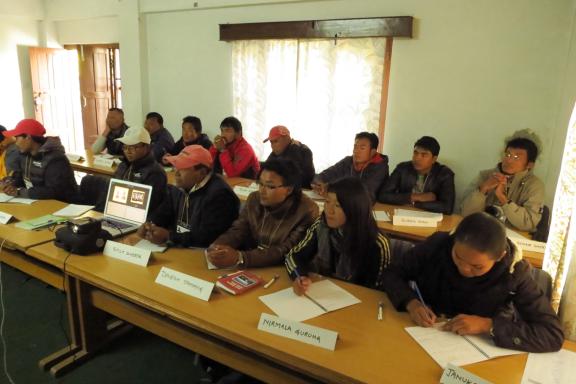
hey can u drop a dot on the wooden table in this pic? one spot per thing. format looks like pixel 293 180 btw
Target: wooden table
pixel 225 328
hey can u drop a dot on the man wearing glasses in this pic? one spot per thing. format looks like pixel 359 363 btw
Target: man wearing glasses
pixel 511 192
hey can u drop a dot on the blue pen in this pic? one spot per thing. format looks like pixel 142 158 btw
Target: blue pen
pixel 414 287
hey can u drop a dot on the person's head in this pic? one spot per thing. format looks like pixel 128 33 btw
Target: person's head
pixel 425 154
pixel 365 147
pixel 479 242
pixel 115 118
pixel 5 141
pixel 231 129
pixel 191 128
pixel 278 179
pixel 28 135
pixel 135 143
pixel 349 207
pixel 154 121
pixel 520 154
pixel 192 165
pixel 279 138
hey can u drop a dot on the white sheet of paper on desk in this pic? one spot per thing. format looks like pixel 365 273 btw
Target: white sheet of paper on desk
pixel 381 216
pixel 550 368
pixel 147 245
pixel 313 195
pixel 73 210
pixel 244 191
pixel 447 347
pixel 73 157
pixel 4 198
pixel 288 305
pixel 419 214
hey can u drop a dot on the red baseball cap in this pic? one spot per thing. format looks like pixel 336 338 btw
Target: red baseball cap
pixel 27 127
pixel 276 132
pixel 190 156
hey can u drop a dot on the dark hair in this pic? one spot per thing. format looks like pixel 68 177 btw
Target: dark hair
pixel 528 145
pixel 198 167
pixel 114 109
pixel 482 232
pixel 290 174
pixel 2 129
pixel 360 231
pixel 36 139
pixel 429 143
pixel 370 136
pixel 195 121
pixel 232 122
pixel 155 115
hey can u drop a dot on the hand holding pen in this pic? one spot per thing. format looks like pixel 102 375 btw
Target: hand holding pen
pixel 419 311
pixel 301 284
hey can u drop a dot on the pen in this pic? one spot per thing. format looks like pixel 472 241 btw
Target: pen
pixel 305 294
pixel 268 284
pixel 414 287
pixel 380 308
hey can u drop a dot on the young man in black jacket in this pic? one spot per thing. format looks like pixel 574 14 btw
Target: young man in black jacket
pixel 44 171
pixel 198 209
pixel 191 134
pixel 422 182
pixel 161 138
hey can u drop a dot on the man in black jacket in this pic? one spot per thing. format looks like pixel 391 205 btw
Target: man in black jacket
pixel 283 147
pixel 161 139
pixel 198 209
pixel 44 171
pixel 115 128
pixel 422 182
pixel 191 134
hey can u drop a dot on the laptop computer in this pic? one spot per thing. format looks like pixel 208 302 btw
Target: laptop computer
pixel 126 207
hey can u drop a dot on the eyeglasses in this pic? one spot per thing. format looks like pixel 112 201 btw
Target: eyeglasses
pixel 130 148
pixel 511 156
pixel 269 187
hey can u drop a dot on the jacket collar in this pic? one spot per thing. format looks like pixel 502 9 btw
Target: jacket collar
pixel 376 159
pixel 142 162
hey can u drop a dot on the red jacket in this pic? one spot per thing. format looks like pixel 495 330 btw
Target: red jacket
pixel 237 160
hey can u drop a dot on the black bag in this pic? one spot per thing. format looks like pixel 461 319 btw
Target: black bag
pixel 82 237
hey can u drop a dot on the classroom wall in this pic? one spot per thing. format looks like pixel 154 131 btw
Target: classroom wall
pixel 473 73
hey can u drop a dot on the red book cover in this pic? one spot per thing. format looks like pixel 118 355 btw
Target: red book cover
pixel 238 282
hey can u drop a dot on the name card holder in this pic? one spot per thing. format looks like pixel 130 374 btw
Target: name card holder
pixel 5 217
pixel 456 375
pixel 181 282
pixel 530 245
pixel 295 330
pixel 413 221
pixel 104 163
pixel 127 253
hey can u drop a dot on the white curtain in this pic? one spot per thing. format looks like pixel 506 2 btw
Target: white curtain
pixel 324 91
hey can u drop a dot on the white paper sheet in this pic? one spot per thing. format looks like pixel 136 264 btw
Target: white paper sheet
pixel 381 216
pixel 4 198
pixel 73 210
pixel 424 214
pixel 550 368
pixel 288 305
pixel 313 195
pixel 147 245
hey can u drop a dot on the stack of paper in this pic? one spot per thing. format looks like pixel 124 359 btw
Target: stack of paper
pixel 73 210
pixel 40 222
pixel 550 368
pixel 322 297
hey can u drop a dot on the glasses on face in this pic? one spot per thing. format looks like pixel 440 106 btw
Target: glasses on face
pixel 132 148
pixel 268 186
pixel 511 156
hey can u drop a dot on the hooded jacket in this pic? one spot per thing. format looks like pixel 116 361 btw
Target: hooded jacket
pixel 440 180
pixel 532 327
pixel 525 194
pixel 237 160
pixel 46 175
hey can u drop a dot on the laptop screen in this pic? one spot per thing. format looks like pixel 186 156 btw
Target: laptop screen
pixel 128 201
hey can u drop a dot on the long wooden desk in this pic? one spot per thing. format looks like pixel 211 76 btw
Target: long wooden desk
pixel 225 328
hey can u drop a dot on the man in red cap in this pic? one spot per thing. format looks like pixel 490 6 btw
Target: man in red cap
pixel 198 209
pixel 44 170
pixel 283 147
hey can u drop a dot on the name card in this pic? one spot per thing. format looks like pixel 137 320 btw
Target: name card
pixel 184 283
pixel 243 191
pixel 294 330
pixel 73 157
pixel 105 163
pixel 127 253
pixel 530 245
pixel 413 221
pixel 456 375
pixel 5 217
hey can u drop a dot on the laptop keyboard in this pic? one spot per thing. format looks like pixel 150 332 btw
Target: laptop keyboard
pixel 116 224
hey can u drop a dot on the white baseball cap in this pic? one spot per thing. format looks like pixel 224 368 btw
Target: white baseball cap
pixel 134 136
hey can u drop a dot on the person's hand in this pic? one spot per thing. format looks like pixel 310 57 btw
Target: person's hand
pixel 220 142
pixel 156 234
pixel 142 230
pixel 320 188
pixel 421 314
pixel 164 161
pixel 11 190
pixel 500 193
pixel 301 284
pixel 423 197
pixel 223 256
pixel 468 325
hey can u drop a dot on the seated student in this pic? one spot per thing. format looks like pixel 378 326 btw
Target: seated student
pixel 191 135
pixel 365 163
pixel 198 209
pixel 344 242
pixel 9 157
pixel 44 171
pixel 162 140
pixel 115 128
pixel 422 182
pixel 232 153
pixel 283 147
pixel 273 220
pixel 510 191
pixel 472 276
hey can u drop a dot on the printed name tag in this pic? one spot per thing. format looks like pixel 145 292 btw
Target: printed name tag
pixel 531 245
pixel 456 375
pixel 294 330
pixel 184 283
pixel 73 157
pixel 414 221
pixel 105 163
pixel 127 253
pixel 5 217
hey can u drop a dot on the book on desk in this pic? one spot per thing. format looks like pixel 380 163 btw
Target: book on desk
pixel 238 282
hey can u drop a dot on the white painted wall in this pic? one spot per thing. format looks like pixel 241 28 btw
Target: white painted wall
pixel 101 30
